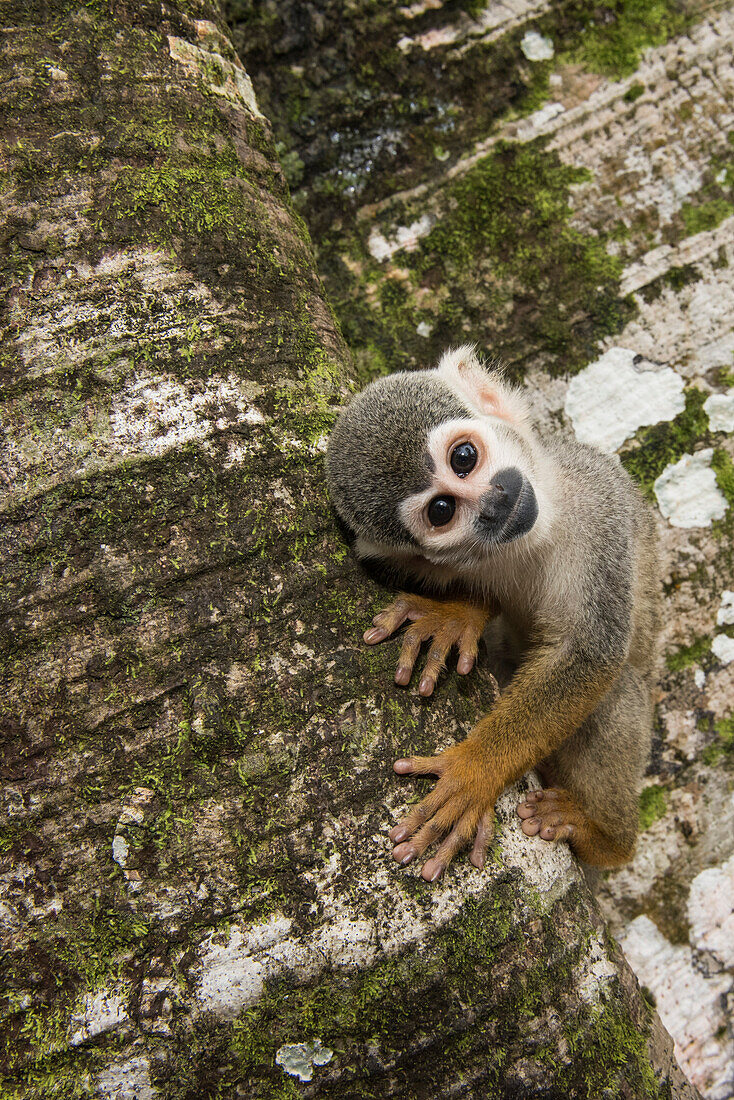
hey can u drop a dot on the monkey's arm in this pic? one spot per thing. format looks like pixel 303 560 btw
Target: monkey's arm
pixel 549 697
pixel 448 622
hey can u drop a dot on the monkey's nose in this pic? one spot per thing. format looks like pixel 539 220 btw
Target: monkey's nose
pixel 508 509
pixel 499 500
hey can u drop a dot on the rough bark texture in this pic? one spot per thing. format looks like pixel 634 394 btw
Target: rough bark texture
pixel 195 876
pixel 556 183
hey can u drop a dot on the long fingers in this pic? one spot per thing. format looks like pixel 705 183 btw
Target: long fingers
pixel 457 839
pixel 432 831
pixel 415 635
pixel 420 765
pixel 436 662
pixel 387 622
pixel 485 833
pixel 448 622
pixel 468 645
pixel 418 816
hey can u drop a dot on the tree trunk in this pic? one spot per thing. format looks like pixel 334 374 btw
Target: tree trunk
pixel 196 747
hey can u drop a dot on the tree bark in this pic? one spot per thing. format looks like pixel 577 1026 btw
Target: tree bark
pixel 196 747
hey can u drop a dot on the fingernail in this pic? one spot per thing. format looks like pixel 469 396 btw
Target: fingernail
pixel 399 833
pixel 401 766
pixel 425 687
pixel 375 635
pixel 408 858
pixel 402 675
pixel 432 875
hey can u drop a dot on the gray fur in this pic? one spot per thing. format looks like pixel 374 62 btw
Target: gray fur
pixel 377 451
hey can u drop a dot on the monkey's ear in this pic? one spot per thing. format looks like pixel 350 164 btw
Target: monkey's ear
pixel 484 391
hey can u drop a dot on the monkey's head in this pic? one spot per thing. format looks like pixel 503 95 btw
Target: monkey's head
pixel 438 463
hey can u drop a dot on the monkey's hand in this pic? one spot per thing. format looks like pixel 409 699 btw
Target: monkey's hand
pixel 461 804
pixel 448 622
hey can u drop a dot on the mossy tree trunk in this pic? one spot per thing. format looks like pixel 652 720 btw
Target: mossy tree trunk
pixel 195 747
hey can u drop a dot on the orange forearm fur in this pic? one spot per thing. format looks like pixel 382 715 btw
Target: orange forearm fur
pixel 544 704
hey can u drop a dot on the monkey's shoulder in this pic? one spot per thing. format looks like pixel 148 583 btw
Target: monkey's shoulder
pixel 597 478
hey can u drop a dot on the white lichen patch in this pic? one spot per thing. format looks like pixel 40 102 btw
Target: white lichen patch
pixel 722 648
pixel 348 942
pixel 154 414
pixel 725 614
pixel 689 1004
pixel 299 661
pixel 611 398
pixel 128 1080
pixel 711 913
pixel 221 76
pixel 120 850
pixel 132 813
pixel 594 970
pixel 720 410
pixel 687 493
pixel 682 731
pixel 405 237
pixel 98 1012
pixel 536 47
pixel 299 1059
pixel 233 972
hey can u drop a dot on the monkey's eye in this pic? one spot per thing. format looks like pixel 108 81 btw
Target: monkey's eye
pixel 440 510
pixel 463 459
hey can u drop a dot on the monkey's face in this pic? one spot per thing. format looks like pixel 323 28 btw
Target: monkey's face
pixel 480 496
pixel 438 463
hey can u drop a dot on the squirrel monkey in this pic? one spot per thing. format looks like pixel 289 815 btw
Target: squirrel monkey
pixel 442 477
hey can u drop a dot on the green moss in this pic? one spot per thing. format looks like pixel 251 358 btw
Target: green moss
pixel 607 1044
pixel 653 804
pixel 712 203
pixel 724 376
pixel 97 948
pixel 613 38
pixel 675 278
pixel 379 1004
pixel 65 1077
pixel 370 1017
pixel 689 655
pixel 662 444
pixel 723 529
pixel 390 127
pixel 503 265
pixel 706 215
pixel 189 194
pixel 62 963
pixel 634 91
pixel 722 748
pixel 723 466
pixel 387 117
